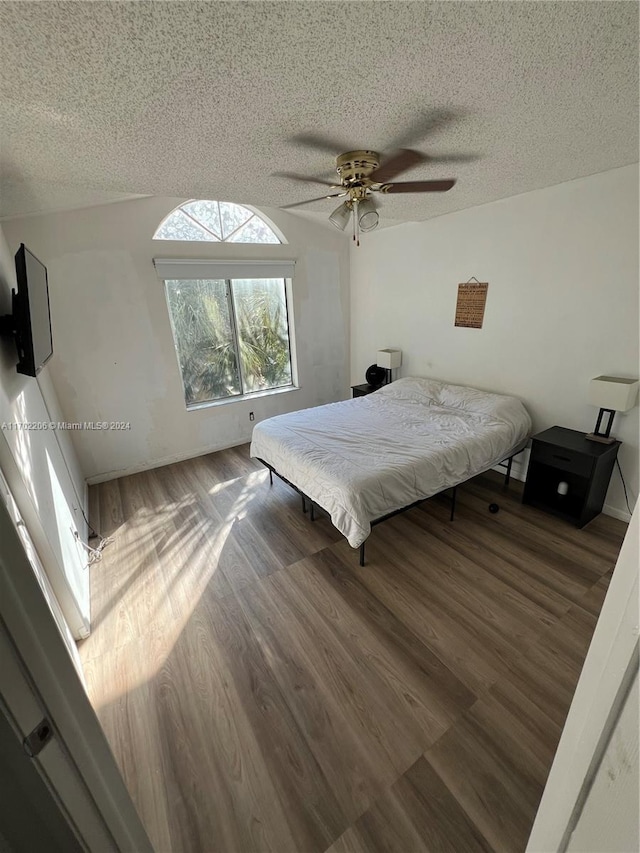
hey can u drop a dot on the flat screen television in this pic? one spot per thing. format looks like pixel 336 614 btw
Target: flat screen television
pixel 30 322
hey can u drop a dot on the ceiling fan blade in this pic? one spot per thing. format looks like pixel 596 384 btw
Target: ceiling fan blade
pixel 310 200
pixel 321 143
pixel 399 162
pixel 307 180
pixel 419 187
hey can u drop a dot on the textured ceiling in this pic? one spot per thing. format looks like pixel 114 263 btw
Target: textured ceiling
pixel 106 100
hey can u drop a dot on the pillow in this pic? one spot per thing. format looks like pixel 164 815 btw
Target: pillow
pixel 432 392
pixel 414 388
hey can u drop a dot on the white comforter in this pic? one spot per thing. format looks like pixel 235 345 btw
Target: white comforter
pixel 363 458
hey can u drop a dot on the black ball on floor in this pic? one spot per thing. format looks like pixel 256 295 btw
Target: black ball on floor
pixel 493 508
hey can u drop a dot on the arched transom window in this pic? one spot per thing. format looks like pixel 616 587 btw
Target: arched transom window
pixel 216 222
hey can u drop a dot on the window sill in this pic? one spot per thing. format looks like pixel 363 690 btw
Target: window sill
pixel 254 395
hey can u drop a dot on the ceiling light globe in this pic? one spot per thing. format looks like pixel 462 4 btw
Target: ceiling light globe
pixel 340 216
pixel 368 217
pixel 369 220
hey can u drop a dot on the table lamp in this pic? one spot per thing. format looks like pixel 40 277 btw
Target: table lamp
pixel 611 394
pixel 389 358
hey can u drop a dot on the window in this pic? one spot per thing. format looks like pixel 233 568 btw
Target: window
pixel 230 324
pixel 217 222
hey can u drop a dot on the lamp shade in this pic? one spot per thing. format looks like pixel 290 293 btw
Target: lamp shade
pixel 613 392
pixel 389 358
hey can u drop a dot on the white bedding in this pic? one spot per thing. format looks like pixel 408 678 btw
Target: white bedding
pixel 363 458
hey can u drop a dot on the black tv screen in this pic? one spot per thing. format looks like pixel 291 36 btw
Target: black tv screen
pixel 32 319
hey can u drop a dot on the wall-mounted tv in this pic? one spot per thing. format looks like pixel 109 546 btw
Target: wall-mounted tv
pixel 30 322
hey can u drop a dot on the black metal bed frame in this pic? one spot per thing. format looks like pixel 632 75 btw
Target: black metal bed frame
pixel 506 463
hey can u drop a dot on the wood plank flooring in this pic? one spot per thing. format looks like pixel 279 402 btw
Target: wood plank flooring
pixel 262 692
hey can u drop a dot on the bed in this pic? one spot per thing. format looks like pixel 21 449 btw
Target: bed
pixel 366 459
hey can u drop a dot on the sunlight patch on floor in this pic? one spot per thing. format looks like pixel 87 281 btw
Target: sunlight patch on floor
pixel 167 570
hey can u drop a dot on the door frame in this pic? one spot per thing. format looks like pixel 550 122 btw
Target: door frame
pixel 608 669
pixel 38 679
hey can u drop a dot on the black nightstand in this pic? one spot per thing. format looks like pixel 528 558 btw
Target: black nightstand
pixel 565 456
pixel 363 390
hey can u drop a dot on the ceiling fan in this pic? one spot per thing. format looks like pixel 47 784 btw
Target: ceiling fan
pixel 363 174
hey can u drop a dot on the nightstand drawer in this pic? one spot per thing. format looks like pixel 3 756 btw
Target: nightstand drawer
pixel 562 458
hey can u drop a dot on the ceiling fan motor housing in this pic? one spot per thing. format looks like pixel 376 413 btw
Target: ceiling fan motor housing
pixel 356 166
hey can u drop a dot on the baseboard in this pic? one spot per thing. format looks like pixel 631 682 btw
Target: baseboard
pixel 158 463
pixel 614 512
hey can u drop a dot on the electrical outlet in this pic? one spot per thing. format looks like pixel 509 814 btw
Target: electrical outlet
pixel 251 416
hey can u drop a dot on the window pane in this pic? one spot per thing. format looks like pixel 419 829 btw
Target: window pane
pixel 202 332
pixel 180 227
pixel 207 213
pixel 263 332
pixel 255 231
pixel 232 217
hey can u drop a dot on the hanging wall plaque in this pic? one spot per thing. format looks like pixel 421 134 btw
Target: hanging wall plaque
pixel 472 298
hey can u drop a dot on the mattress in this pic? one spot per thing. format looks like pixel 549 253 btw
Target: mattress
pixel 364 458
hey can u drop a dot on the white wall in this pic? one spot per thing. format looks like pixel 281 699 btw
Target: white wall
pixel 115 358
pixel 41 468
pixel 562 307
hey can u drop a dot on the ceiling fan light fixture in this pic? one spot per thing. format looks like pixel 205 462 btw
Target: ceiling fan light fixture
pixel 368 216
pixel 341 215
pixel 361 178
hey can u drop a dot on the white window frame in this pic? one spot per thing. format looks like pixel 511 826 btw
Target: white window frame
pixel 191 269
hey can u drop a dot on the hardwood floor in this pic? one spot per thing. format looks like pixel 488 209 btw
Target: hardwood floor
pixel 262 692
